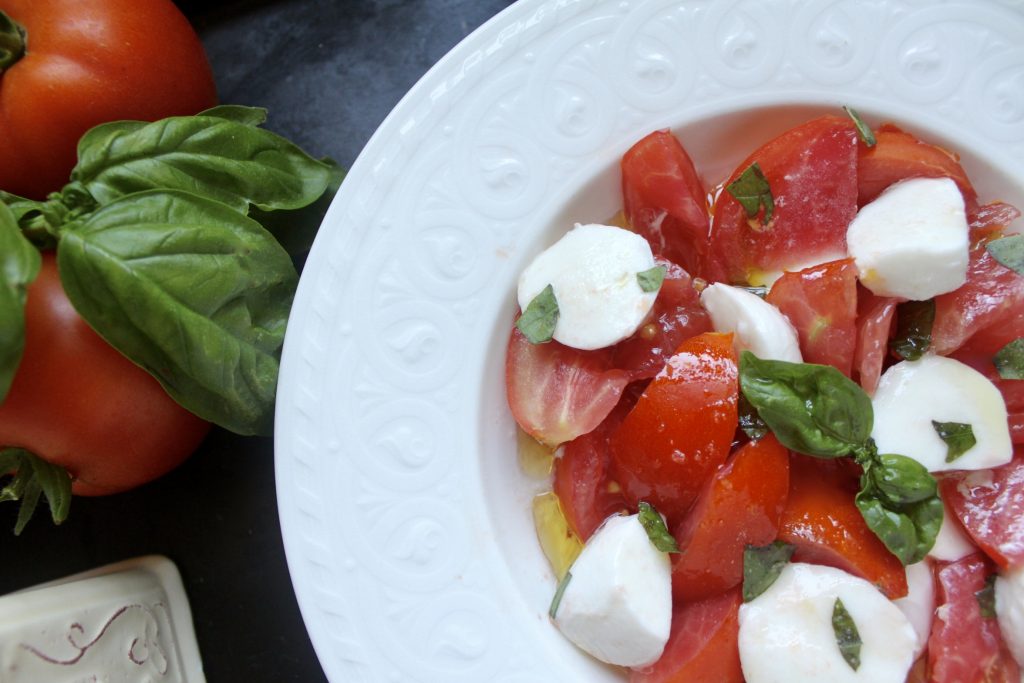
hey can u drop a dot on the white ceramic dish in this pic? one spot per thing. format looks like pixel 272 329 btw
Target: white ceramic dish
pixel 405 517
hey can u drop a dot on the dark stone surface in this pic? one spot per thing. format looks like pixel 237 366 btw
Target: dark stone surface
pixel 329 71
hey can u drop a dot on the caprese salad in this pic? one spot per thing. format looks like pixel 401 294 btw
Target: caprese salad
pixel 786 417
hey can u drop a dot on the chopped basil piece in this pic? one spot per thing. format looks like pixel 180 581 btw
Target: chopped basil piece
pixel 752 191
pixel 847 636
pixel 959 438
pixel 914 320
pixel 654 525
pixel 863 130
pixel 750 422
pixel 650 280
pixel 762 566
pixel 1009 360
pixel 537 323
pixel 559 592
pixel 1009 251
pixel 987 598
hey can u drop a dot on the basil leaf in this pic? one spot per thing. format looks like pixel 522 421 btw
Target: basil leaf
pixel 296 229
pixel 762 566
pixel 958 437
pixel 559 592
pixel 650 280
pixel 752 191
pixel 986 598
pixel 1009 360
pixel 224 159
pixel 537 323
pixel 656 530
pixel 914 320
pixel 1009 251
pixel 901 480
pixel 864 131
pixel 250 116
pixel 192 291
pixel 19 206
pixel 19 266
pixel 847 635
pixel 812 409
pixel 908 531
pixel 750 422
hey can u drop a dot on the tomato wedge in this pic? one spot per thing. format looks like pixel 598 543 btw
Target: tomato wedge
pixel 556 392
pixel 821 302
pixel 740 505
pixel 874 325
pixel 703 646
pixel 821 520
pixel 990 504
pixel 677 315
pixel 897 155
pixel 812 172
pixel 665 200
pixel 990 218
pixel 964 646
pixel 680 431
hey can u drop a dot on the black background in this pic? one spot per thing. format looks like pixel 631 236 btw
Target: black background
pixel 329 71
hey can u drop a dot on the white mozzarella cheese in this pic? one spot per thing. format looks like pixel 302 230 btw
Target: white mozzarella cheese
pixel 593 272
pixel 919 603
pixel 757 326
pixel 952 543
pixel 1010 610
pixel 618 604
pixel 911 394
pixel 786 633
pixel 913 240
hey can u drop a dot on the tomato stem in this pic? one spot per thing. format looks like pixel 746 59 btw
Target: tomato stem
pixel 12 42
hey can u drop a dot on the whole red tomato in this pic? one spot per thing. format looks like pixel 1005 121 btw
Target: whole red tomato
pixel 87 62
pixel 78 403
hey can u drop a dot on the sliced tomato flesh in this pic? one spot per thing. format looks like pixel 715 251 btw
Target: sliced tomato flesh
pixel 965 646
pixel 812 173
pixel 986 219
pixel 740 505
pixel 822 521
pixel 874 327
pixel 821 302
pixel 703 645
pixel 681 429
pixel 665 200
pixel 556 392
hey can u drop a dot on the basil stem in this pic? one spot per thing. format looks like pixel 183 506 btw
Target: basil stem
pixel 656 530
pixel 864 131
pixel 559 592
pixel 538 321
pixel 19 266
pixel 762 566
pixel 914 320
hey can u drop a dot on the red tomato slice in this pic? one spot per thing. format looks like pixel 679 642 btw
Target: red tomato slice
pixel 740 505
pixel 821 302
pixel 583 480
pixel 897 155
pixel 989 218
pixel 964 646
pixel 821 520
pixel 812 173
pixel 874 324
pixel 680 431
pixel 992 296
pixel 990 504
pixel 556 392
pixel 665 200
pixel 703 646
pixel 677 315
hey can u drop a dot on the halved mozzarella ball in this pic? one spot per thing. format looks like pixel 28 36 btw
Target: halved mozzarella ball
pixel 912 241
pixel 919 603
pixel 786 633
pixel 618 604
pixel 593 272
pixel 1010 610
pixel 911 394
pixel 757 326
pixel 952 542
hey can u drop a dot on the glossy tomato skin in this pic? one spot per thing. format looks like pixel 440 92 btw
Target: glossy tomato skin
pixel 964 646
pixel 681 428
pixel 89 62
pixel 874 326
pixel 740 505
pixel 703 645
pixel 77 402
pixel 822 521
pixel 812 172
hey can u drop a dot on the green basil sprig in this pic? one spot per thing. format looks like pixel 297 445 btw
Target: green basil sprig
pixel 816 410
pixel 19 265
